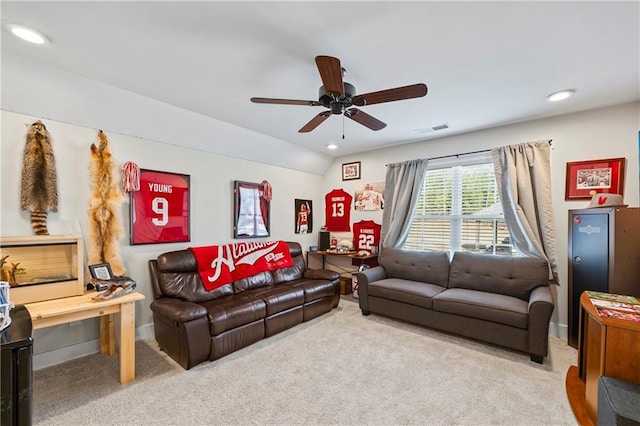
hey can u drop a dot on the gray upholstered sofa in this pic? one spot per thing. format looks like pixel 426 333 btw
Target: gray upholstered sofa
pixel 501 300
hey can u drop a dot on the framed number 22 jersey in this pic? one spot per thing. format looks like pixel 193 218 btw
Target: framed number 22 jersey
pixel 160 209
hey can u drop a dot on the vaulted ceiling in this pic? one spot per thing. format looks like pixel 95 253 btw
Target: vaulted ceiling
pixel 485 64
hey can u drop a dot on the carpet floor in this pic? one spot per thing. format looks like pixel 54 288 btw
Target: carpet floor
pixel 339 369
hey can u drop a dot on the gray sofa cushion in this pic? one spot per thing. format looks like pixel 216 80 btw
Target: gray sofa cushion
pixel 406 291
pixel 487 306
pixel 430 267
pixel 512 276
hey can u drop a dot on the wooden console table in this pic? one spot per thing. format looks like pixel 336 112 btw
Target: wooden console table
pixel 68 309
pixel 606 347
pixel 351 255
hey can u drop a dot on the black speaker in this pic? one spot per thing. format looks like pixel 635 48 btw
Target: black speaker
pixel 323 240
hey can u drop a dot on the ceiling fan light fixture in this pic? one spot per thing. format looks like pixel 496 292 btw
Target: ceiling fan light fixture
pixel 28 34
pixel 560 95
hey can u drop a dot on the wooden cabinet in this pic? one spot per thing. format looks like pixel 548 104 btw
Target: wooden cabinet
pixel 17 374
pixel 604 255
pixel 43 267
pixel 607 347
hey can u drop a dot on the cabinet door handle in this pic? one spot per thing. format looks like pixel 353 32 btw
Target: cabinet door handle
pixel 577 259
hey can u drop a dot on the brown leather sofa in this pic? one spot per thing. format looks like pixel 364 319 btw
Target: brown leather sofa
pixel 193 325
pixel 502 300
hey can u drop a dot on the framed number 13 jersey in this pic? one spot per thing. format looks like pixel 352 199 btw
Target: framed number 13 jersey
pixel 338 210
pixel 160 209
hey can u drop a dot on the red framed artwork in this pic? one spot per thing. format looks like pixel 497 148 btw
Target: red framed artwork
pixel 159 211
pixel 586 178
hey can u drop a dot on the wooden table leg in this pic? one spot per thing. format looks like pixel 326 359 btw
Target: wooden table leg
pixel 127 342
pixel 107 335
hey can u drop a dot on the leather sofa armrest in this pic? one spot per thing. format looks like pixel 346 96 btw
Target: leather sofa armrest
pixel 321 274
pixel 178 310
pixel 540 310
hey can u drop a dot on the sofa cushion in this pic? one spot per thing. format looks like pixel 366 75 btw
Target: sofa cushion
pixel 292 272
pixel 511 276
pixel 313 289
pixel 492 307
pixel 261 279
pixel 233 311
pixel 178 277
pixel 406 291
pixel 424 266
pixel 278 298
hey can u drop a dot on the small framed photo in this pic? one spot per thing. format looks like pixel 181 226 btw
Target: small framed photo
pixel 586 178
pixel 101 271
pixel 351 171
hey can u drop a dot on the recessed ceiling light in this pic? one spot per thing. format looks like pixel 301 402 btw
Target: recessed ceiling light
pixel 332 146
pixel 27 34
pixel 558 96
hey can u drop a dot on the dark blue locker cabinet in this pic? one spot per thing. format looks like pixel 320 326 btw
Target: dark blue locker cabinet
pixel 604 255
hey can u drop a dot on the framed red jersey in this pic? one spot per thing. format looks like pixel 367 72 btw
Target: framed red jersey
pixel 366 236
pixel 159 211
pixel 338 210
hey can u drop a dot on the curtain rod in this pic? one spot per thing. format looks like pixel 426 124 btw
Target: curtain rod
pixel 468 153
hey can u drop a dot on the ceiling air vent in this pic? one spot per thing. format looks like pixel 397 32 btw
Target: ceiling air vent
pixel 440 127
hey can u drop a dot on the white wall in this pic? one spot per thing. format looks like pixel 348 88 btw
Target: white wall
pixel 603 133
pixel 212 179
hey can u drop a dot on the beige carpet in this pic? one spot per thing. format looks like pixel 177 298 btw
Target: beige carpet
pixel 342 368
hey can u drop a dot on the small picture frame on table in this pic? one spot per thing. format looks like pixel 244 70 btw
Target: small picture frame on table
pixel 101 271
pixel 351 171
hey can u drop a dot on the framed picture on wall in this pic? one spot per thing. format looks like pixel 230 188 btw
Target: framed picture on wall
pixel 159 211
pixel 303 217
pixel 251 210
pixel 586 178
pixel 351 171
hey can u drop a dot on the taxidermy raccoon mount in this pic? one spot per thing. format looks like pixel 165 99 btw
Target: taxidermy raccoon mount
pixel 105 228
pixel 39 187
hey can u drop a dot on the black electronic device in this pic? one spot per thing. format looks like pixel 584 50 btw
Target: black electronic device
pixel 323 240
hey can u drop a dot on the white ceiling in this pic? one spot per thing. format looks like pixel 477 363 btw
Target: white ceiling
pixel 485 63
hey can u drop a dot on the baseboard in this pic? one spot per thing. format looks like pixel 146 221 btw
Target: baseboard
pixel 58 356
pixel 559 330
pixel 67 353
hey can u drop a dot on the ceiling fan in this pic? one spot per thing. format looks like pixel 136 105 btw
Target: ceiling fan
pixel 340 97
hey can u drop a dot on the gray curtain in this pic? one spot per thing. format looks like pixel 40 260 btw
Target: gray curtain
pixel 523 175
pixel 402 189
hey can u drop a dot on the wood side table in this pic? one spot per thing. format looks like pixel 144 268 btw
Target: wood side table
pixel 68 309
pixel 606 347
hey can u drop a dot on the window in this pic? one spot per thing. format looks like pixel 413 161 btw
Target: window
pixel 459 209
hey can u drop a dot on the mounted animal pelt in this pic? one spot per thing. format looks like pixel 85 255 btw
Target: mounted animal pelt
pixel 104 225
pixel 39 184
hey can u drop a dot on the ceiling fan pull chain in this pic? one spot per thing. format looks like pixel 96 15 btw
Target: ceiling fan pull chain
pixel 343 127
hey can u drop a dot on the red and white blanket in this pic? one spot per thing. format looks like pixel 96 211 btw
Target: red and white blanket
pixel 220 265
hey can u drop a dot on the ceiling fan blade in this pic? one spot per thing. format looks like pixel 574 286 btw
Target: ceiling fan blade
pixel 331 74
pixel 389 95
pixel 365 119
pixel 315 122
pixel 284 101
